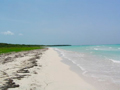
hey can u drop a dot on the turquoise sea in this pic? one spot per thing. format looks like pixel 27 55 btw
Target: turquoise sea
pixel 99 63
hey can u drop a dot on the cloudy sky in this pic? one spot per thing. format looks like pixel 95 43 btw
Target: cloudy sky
pixel 75 22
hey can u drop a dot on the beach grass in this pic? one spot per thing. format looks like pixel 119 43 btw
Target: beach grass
pixel 7 48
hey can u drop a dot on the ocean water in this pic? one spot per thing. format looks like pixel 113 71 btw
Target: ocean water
pixel 98 63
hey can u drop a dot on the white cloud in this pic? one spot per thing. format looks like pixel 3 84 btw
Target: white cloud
pixel 20 34
pixel 8 33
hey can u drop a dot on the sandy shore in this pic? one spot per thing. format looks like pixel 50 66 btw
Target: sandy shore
pixel 46 73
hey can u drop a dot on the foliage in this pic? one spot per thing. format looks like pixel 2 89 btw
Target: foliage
pixel 6 48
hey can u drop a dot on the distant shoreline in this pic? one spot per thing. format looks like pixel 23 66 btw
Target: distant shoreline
pixel 57 45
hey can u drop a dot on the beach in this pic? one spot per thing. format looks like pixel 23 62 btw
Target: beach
pixel 40 70
pixel 97 64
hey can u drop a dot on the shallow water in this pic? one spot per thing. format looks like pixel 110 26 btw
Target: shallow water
pixel 101 63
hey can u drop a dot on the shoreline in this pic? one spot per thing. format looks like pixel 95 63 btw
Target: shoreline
pixel 81 70
pixel 64 78
pixel 48 73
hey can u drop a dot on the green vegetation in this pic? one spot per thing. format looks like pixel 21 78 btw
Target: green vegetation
pixel 6 48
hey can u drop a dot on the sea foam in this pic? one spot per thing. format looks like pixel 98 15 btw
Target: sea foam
pixel 102 63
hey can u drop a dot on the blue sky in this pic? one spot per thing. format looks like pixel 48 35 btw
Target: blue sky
pixel 75 22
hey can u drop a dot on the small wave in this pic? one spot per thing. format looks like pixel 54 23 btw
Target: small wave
pixel 80 67
pixel 115 61
pixel 95 48
pixel 84 71
pixel 59 51
pixel 63 55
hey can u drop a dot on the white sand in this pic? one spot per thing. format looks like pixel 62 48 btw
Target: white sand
pixel 58 76
pixel 53 75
